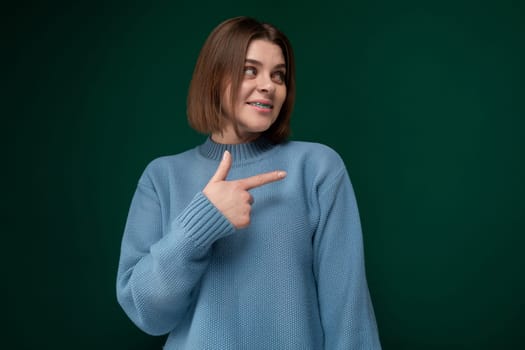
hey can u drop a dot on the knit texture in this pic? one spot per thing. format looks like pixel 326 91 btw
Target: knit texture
pixel 293 279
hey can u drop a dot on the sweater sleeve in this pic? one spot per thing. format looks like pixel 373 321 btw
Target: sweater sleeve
pixel 158 271
pixel 346 309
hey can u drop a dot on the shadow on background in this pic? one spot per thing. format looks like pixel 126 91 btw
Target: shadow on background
pixel 423 100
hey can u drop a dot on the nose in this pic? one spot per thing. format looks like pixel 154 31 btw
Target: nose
pixel 265 85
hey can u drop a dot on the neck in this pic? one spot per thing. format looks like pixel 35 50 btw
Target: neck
pixel 240 152
pixel 230 136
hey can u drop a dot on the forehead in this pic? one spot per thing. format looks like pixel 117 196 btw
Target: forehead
pixel 265 51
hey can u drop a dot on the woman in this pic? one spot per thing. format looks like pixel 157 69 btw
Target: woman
pixel 247 241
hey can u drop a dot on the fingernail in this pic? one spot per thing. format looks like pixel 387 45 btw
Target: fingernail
pixel 225 154
pixel 281 174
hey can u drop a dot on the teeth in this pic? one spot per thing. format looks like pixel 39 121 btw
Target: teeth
pixel 263 105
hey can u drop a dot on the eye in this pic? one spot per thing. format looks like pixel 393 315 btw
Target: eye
pixel 250 71
pixel 279 77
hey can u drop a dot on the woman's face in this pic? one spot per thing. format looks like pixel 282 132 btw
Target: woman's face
pixel 260 97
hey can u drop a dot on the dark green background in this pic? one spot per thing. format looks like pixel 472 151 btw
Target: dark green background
pixel 424 100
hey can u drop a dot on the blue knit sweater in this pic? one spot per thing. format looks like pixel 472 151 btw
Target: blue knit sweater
pixel 294 279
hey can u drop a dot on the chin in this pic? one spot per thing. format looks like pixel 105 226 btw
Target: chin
pixel 256 127
pixel 259 129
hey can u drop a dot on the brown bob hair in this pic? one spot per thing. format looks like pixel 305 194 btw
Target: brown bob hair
pixel 221 60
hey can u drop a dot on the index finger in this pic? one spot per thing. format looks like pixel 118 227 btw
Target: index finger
pixel 262 179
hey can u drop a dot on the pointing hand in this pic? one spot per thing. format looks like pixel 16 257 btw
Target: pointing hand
pixel 232 198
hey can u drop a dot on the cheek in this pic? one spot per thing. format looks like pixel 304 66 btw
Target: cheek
pixel 245 91
pixel 281 97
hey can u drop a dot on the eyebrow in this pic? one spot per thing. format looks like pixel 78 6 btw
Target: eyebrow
pixel 258 63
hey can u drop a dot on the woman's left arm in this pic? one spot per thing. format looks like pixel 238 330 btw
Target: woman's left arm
pixel 346 309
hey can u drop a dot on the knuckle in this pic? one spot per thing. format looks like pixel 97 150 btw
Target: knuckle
pixel 260 179
pixel 237 186
pixel 246 197
pixel 243 222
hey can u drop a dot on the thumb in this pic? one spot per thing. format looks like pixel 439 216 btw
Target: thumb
pixel 223 169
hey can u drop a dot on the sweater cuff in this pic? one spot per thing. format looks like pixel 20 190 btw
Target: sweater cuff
pixel 203 222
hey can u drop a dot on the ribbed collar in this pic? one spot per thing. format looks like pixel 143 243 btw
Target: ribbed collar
pixel 240 152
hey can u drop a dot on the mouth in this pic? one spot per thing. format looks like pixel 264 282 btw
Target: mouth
pixel 261 105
